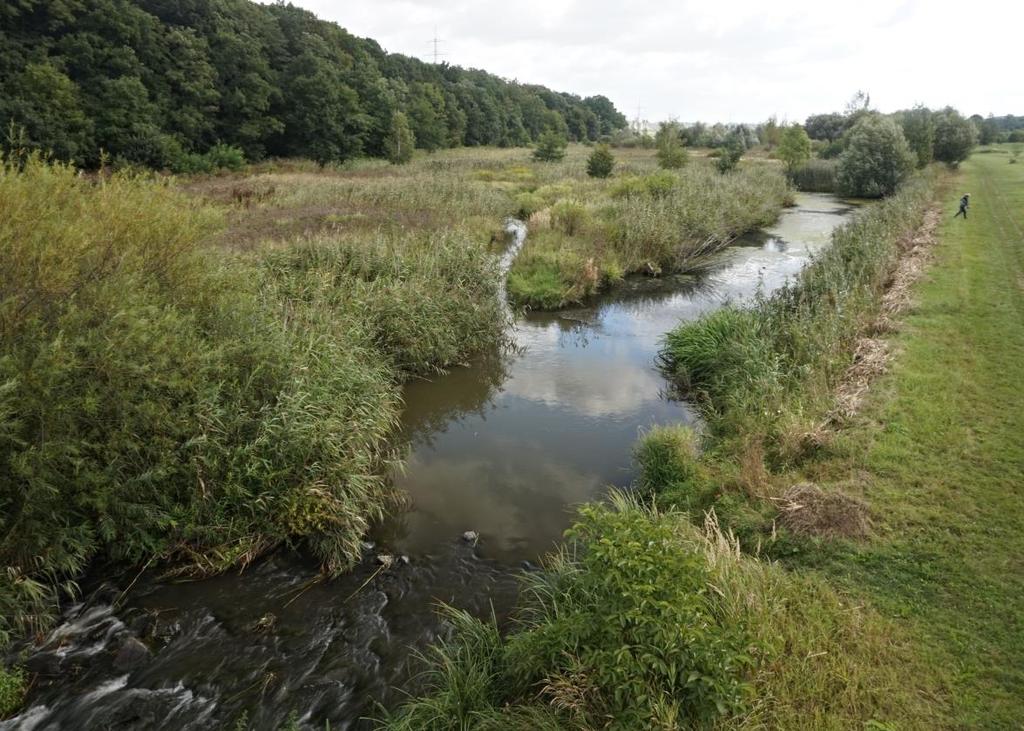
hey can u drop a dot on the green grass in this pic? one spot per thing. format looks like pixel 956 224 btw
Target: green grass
pixel 939 456
pixel 13 686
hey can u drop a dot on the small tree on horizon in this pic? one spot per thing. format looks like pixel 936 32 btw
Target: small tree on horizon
pixel 731 152
pixel 550 147
pixel 400 140
pixel 794 148
pixel 601 162
pixel 671 152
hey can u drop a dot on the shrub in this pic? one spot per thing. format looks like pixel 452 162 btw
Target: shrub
pixel 816 176
pixel 877 158
pixel 794 148
pixel 527 204
pixel 225 157
pixel 667 457
pixel 672 156
pixel 1016 135
pixel 955 137
pixel 731 153
pixel 550 147
pixel 568 216
pixel 601 162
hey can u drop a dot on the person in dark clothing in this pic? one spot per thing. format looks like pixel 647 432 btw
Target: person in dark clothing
pixel 964 202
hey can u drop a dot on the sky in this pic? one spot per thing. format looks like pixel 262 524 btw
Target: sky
pixel 721 60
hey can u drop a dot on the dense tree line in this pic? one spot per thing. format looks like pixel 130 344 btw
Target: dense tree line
pixel 157 82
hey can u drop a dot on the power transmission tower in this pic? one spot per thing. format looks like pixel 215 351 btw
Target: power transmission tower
pixel 435 41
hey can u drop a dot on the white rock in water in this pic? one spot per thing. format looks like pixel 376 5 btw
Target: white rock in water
pixel 385 559
pixel 471 536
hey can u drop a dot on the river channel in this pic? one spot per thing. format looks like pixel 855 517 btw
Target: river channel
pixel 504 447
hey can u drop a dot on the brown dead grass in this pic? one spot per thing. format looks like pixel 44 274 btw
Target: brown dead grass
pixel 872 353
pixel 808 510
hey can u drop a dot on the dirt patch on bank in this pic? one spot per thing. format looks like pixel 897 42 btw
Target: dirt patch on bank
pixel 872 352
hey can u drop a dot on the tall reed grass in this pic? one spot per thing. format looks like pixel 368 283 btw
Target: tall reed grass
pixel 160 399
pixel 664 221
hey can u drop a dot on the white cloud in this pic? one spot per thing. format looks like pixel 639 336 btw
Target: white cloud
pixel 721 61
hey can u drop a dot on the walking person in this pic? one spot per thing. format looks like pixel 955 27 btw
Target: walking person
pixel 964 202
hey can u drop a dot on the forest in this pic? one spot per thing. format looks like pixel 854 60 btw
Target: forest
pixel 196 84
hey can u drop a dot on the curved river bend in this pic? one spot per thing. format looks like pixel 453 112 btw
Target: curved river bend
pixel 505 448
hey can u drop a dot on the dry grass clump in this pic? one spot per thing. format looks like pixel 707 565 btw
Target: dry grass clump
pixel 808 510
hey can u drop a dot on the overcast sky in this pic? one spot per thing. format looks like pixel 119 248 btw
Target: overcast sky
pixel 721 60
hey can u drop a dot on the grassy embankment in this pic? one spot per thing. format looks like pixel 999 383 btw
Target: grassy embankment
pixel 606 637
pixel 932 467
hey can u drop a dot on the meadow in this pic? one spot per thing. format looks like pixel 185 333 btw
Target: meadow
pixel 585 233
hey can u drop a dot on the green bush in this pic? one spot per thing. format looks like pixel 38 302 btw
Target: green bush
pixel 225 157
pixel 527 204
pixel 877 158
pixel 568 216
pixel 667 457
pixel 601 162
pixel 550 147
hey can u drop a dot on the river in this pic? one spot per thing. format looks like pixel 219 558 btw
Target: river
pixel 504 448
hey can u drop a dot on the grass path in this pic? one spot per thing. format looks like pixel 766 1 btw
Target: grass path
pixel 940 455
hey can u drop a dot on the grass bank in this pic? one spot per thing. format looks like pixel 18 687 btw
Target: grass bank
pixel 910 502
pixel 938 458
pixel 164 399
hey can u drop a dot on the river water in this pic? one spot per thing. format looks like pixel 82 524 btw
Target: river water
pixel 505 448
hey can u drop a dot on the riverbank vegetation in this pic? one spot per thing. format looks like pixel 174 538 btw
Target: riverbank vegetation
pixel 166 399
pixel 587 233
pixel 870 631
pixel 645 620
